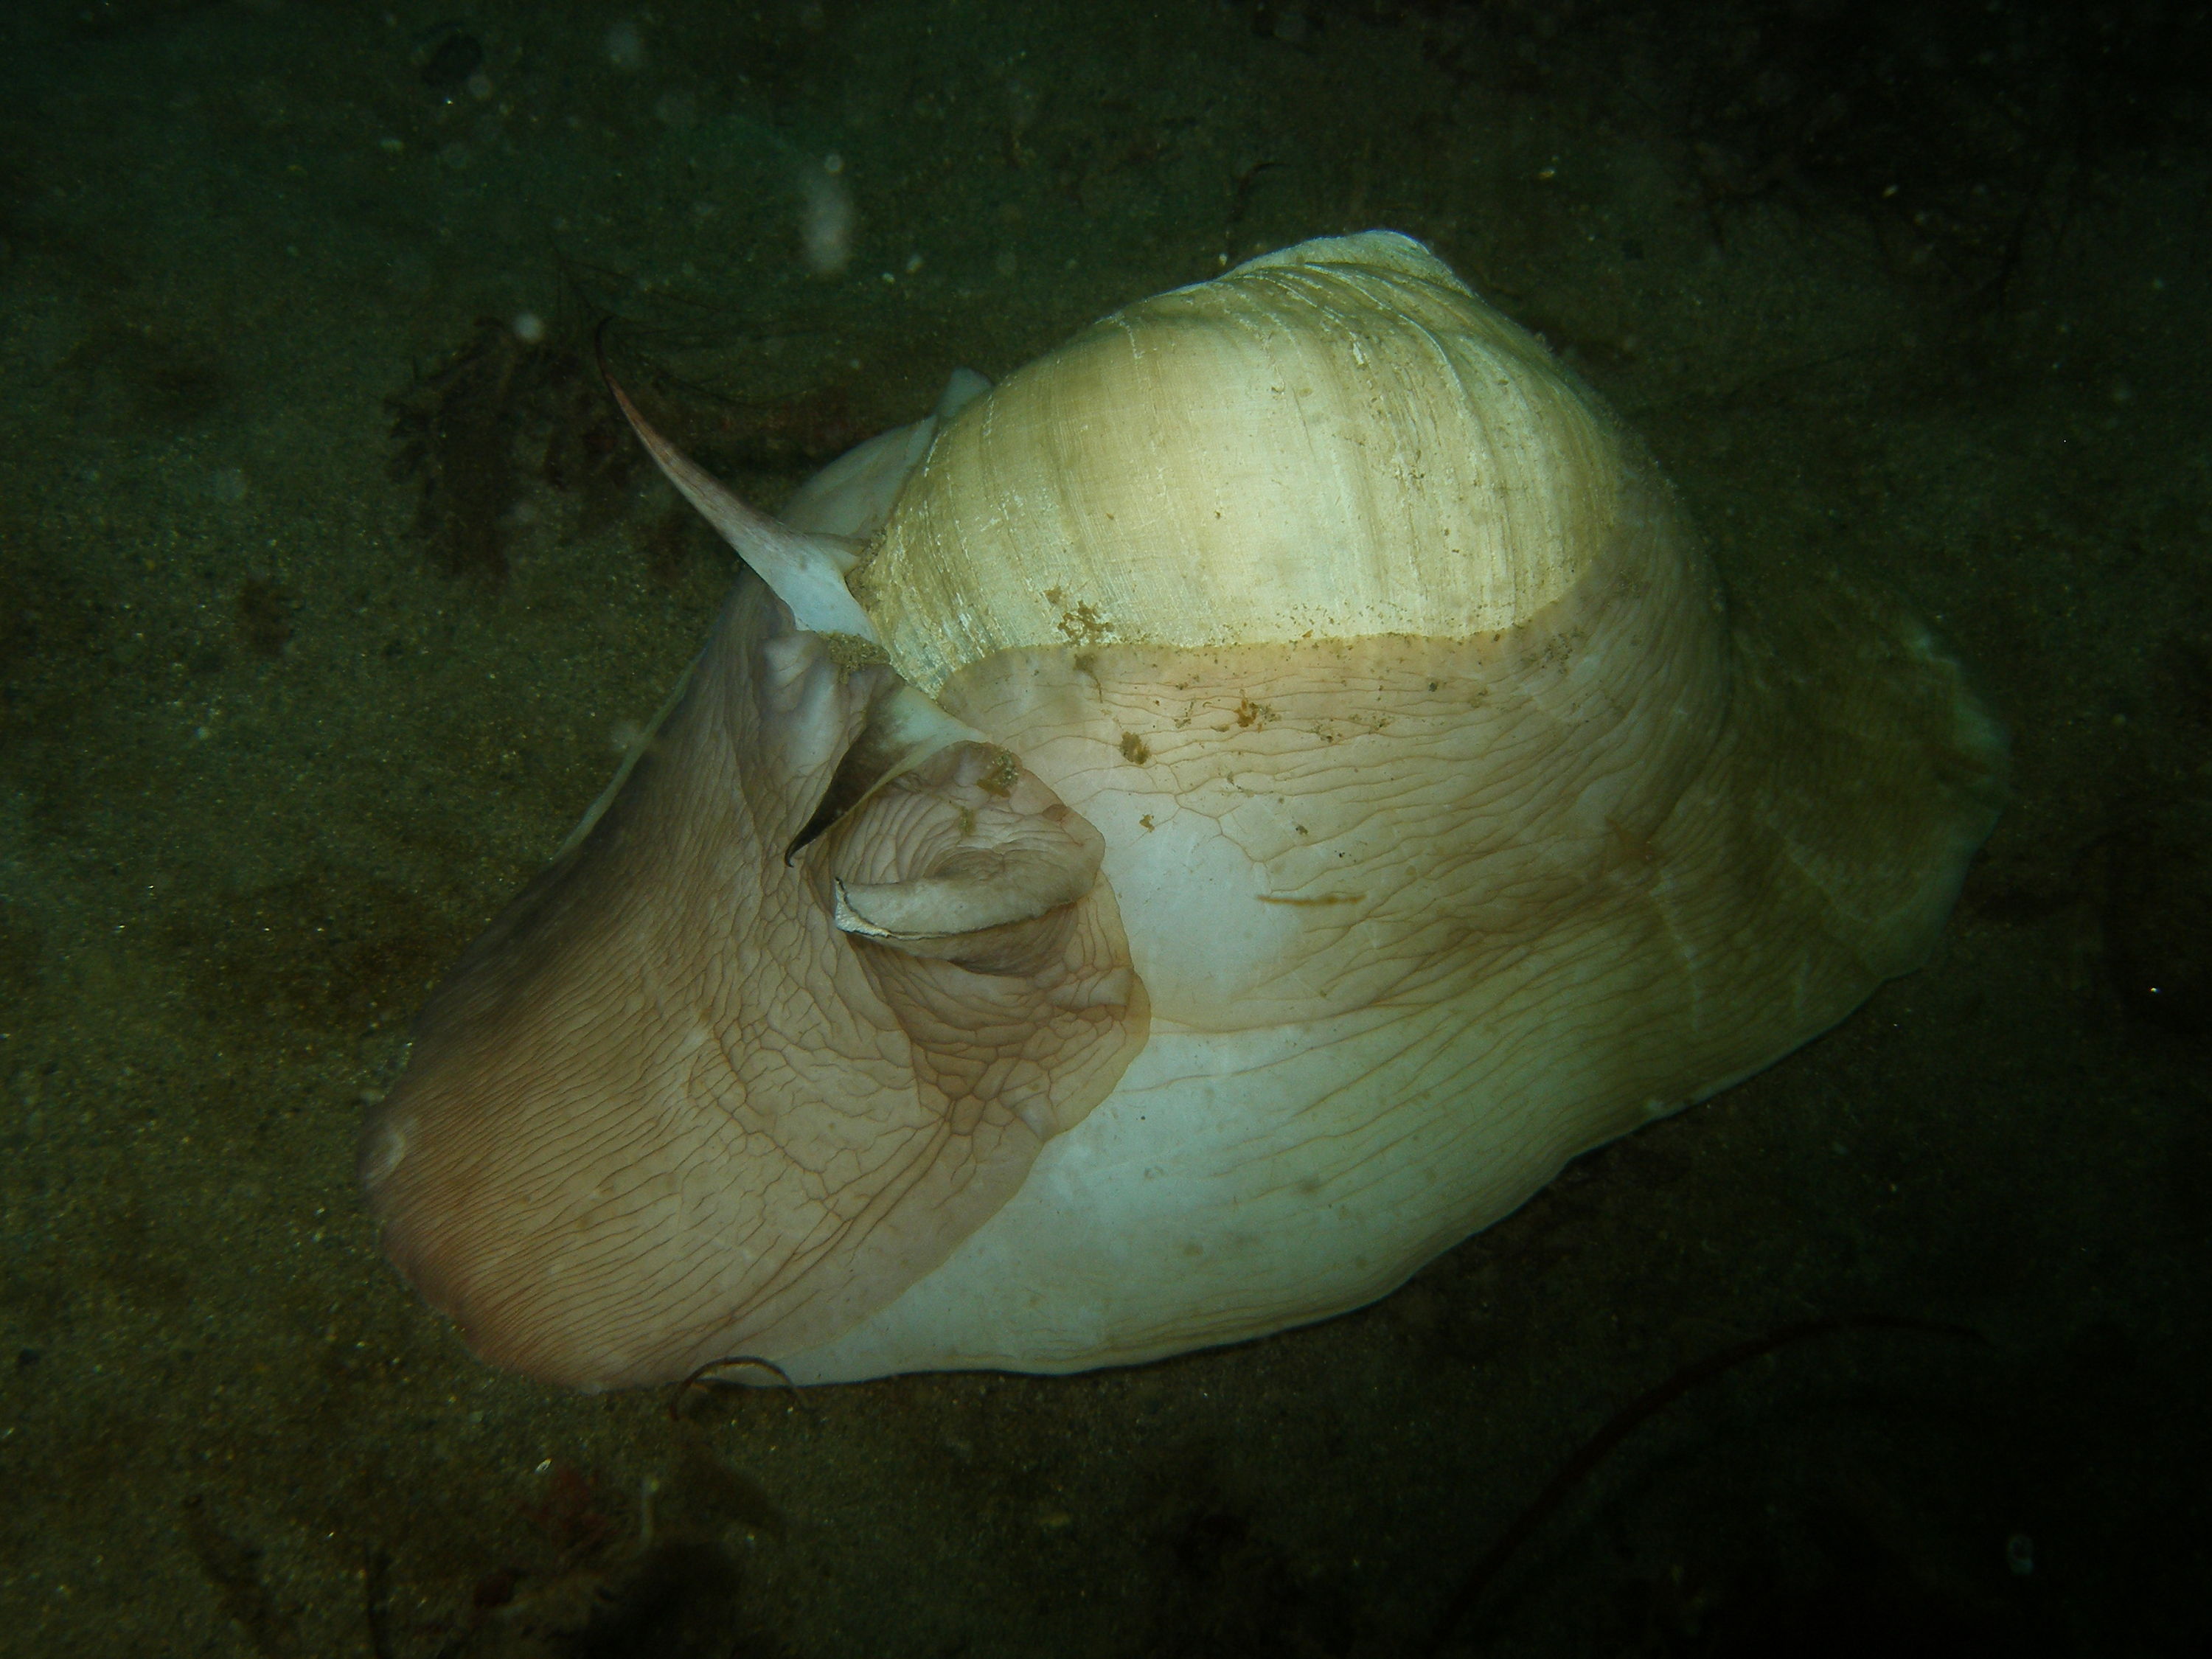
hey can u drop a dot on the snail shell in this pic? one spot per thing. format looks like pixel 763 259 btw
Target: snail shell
pixel 1257 792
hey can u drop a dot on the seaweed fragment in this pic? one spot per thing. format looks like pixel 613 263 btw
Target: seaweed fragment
pixel 234 1567
pixel 456 430
pixel 593 1578
pixel 497 415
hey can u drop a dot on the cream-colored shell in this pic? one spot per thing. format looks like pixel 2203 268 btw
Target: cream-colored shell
pixel 1334 442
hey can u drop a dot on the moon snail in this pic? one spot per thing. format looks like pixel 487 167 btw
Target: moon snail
pixel 1154 852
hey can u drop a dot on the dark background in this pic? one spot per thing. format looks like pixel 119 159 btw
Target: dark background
pixel 327 602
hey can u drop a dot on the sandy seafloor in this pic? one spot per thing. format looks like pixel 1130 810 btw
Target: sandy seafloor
pixel 1917 295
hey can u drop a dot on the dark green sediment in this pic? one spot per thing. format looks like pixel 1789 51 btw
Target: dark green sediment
pixel 327 603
